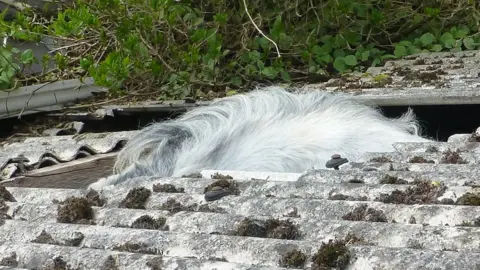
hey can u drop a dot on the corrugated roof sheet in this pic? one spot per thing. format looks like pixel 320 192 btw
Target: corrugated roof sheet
pixel 35 152
pixel 422 79
pixel 396 212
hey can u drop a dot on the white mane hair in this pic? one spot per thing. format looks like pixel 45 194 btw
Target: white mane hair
pixel 269 130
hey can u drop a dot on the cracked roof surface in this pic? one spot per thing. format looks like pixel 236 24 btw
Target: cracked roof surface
pixel 408 209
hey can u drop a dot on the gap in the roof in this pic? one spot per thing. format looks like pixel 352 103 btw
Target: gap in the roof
pixel 441 121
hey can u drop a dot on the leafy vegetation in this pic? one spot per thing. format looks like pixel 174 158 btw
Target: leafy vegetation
pixel 206 47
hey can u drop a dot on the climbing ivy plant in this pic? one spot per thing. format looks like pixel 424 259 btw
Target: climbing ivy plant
pixel 204 48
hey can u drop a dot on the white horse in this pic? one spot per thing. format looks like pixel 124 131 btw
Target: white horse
pixel 268 130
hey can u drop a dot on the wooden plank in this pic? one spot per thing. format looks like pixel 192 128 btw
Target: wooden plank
pixel 77 174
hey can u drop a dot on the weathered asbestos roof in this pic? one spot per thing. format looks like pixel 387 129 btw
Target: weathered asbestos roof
pixel 392 220
pixel 37 152
pixel 422 79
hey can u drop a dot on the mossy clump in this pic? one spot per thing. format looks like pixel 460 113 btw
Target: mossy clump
pixel 110 263
pixel 155 263
pixel 58 263
pixel 75 210
pixel 149 223
pixel 419 159
pixel 474 223
pixel 468 199
pixel 381 80
pixel 44 238
pixel 221 176
pixel 452 157
pixel 381 159
pixel 192 175
pixel 167 188
pixel 333 254
pixel 173 206
pixel 95 199
pixel 229 185
pixel 6 195
pixel 419 61
pixel 365 213
pixel 423 192
pixel 293 259
pixel 342 197
pixel 270 228
pixel 135 248
pixel 136 198
pixel 424 77
pixel 393 180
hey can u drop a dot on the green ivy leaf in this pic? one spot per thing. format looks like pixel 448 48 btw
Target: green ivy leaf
pixel 427 39
pixel 220 18
pixel 461 31
pixel 400 51
pixel 469 43
pixel 285 76
pixel 447 40
pixel 350 60
pixel 270 72
pixel 27 57
pixel 437 48
pixel 365 55
pixel 237 81
pixel 339 53
pixel 339 64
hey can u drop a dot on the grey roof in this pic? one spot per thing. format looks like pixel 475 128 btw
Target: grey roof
pixel 37 151
pixel 422 79
pixel 184 231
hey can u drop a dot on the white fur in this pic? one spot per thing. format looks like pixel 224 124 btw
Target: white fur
pixel 269 129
